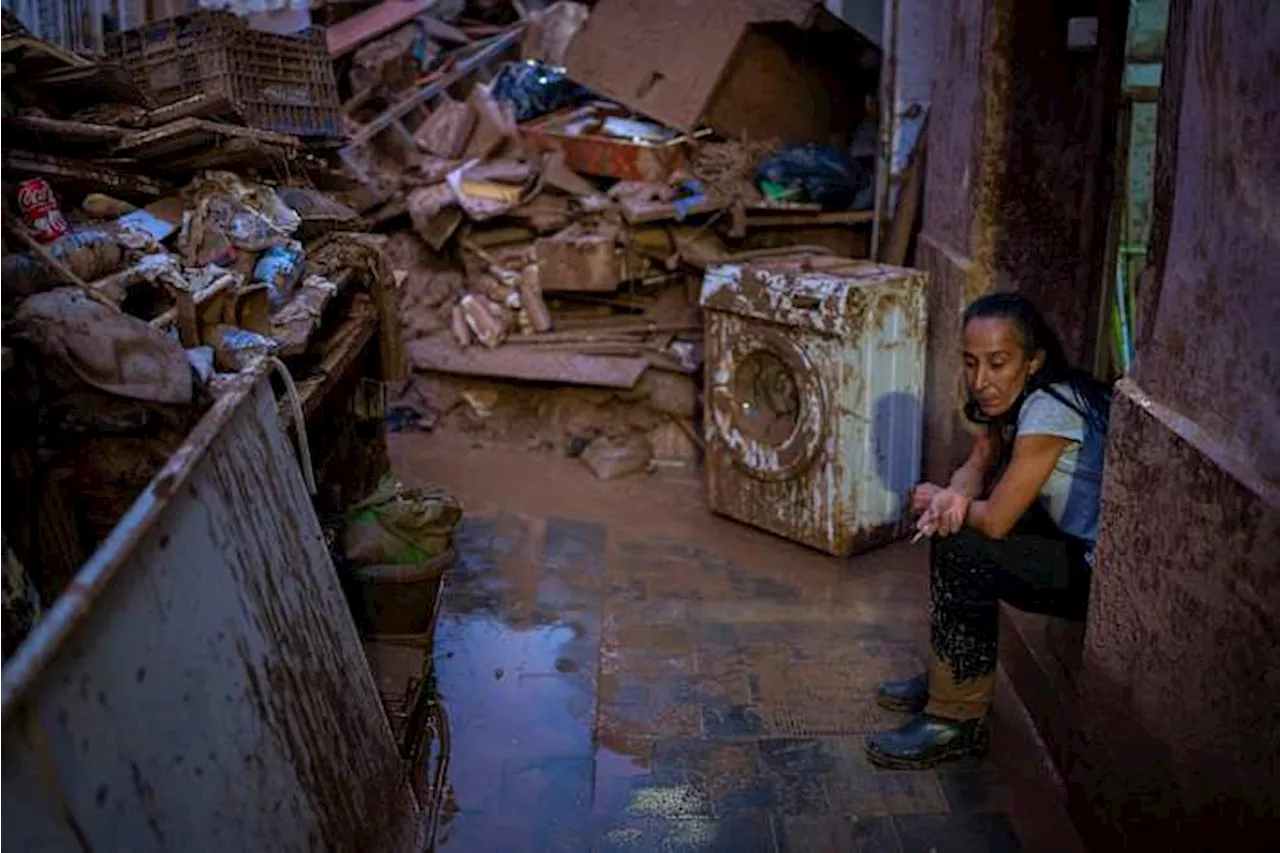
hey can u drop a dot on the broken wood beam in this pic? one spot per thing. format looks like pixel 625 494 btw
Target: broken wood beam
pixel 785 219
pixel 69 131
pixel 605 332
pixel 442 354
pixel 484 52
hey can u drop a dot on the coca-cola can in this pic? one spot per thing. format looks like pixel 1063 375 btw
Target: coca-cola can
pixel 40 210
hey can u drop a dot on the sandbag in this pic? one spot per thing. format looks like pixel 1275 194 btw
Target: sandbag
pixel 398 525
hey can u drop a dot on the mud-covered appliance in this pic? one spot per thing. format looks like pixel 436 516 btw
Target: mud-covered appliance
pixel 814 399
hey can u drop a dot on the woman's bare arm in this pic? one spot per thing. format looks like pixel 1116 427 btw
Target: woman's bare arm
pixel 1033 459
pixel 970 477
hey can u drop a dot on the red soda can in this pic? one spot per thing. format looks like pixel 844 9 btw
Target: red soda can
pixel 40 210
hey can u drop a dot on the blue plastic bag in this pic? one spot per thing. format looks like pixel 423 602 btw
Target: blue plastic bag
pixel 821 174
pixel 535 89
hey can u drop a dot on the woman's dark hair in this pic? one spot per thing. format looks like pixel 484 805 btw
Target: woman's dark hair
pixel 1090 398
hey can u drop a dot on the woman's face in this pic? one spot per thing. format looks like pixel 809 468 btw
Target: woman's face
pixel 996 365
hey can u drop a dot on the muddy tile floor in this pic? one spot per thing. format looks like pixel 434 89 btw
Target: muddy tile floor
pixel 624 671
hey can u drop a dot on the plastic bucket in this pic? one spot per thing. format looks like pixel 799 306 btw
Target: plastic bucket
pixel 399 603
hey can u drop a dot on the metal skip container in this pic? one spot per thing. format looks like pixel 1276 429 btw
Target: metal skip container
pixel 815 369
pixel 200 685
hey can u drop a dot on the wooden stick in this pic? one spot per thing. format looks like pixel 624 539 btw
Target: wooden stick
pixel 61 270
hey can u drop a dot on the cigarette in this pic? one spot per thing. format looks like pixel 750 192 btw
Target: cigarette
pixel 919 535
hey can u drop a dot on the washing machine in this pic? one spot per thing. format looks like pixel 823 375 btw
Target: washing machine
pixel 814 404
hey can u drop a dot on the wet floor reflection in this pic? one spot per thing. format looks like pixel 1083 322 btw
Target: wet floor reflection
pixel 609 694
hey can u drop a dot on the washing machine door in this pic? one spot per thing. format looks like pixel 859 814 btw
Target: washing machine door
pixel 767 405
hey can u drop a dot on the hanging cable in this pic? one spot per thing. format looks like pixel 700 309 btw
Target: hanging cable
pixel 299 424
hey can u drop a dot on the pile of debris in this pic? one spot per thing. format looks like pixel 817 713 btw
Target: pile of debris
pixel 156 241
pixel 551 241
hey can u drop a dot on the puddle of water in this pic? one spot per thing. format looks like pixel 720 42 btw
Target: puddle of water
pixel 509 701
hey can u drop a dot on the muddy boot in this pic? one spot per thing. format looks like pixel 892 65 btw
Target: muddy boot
pixel 927 741
pixel 909 695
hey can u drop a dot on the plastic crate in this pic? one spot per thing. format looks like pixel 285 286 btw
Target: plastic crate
pixel 279 83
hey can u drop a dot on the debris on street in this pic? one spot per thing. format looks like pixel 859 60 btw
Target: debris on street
pixel 454 216
pixel 459 188
pixel 549 237
pixel 166 224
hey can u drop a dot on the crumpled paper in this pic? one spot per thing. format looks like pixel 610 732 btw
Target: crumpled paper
pixel 227 214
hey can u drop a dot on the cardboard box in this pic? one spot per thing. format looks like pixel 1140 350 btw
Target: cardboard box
pixel 746 68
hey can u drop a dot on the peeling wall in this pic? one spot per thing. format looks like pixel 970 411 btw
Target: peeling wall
pixel 962 171
pixel 1048 242
pixel 1017 189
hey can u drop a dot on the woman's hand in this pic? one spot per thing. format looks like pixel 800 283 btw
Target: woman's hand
pixel 922 495
pixel 945 514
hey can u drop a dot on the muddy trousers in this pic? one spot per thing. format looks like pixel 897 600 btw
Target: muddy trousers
pixel 1036 568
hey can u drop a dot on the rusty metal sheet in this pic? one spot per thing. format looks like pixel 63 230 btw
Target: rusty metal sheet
pixel 840 365
pixel 201 685
pixel 966 85
pixel 57 131
pixel 956 245
pixel 950 284
pixel 535 364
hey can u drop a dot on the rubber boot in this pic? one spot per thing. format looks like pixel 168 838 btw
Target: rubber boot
pixel 928 741
pixel 909 695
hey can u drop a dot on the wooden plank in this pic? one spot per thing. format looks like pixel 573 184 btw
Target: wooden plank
pixel 529 363
pixel 910 192
pixel 232 155
pixel 802 218
pixel 1143 94
pixel 619 331
pixel 205 105
pixel 187 133
pixel 346 36
pixel 68 131
pixel 34 50
pixel 84 175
